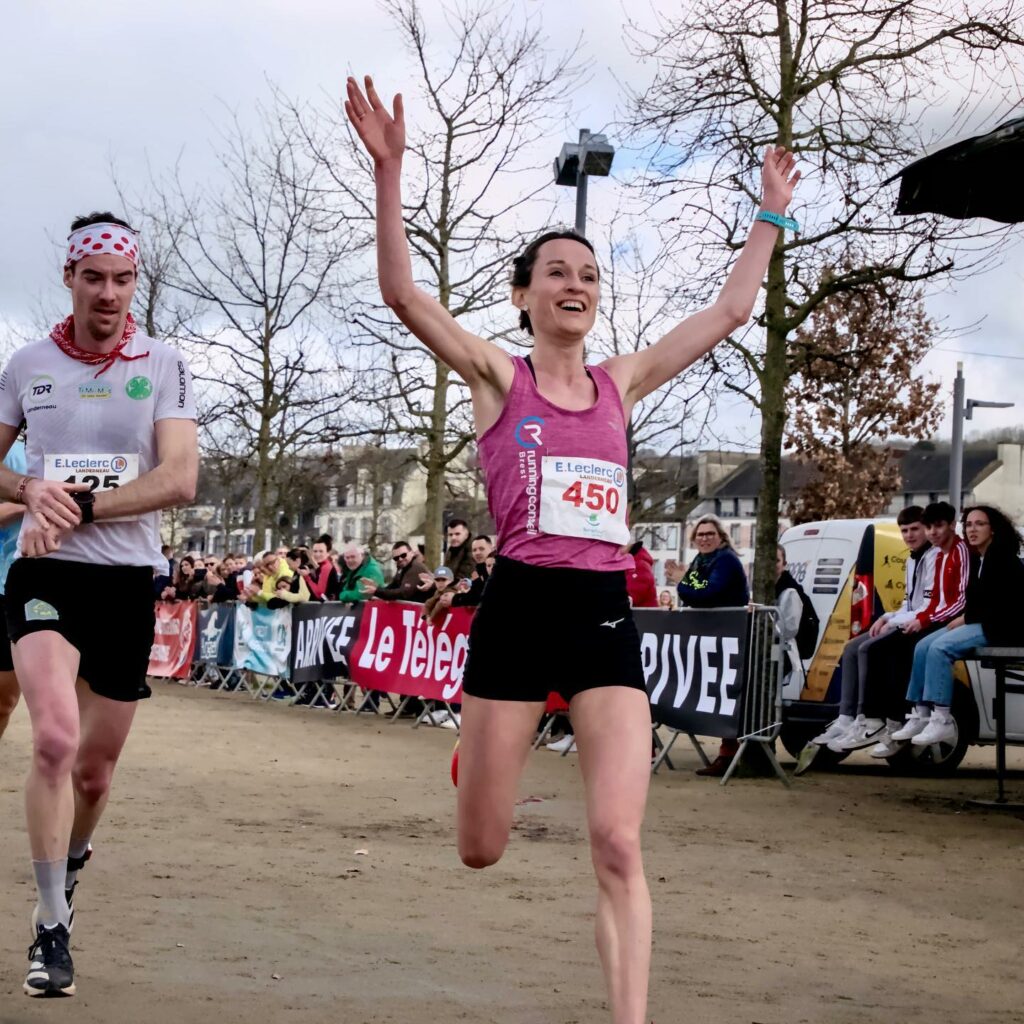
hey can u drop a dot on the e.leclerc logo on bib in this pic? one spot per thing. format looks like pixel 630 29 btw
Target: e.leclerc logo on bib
pixel 528 432
pixel 118 464
pixel 139 388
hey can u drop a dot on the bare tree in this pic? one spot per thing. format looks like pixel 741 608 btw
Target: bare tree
pixel 844 85
pixel 252 269
pixel 852 389
pixel 487 92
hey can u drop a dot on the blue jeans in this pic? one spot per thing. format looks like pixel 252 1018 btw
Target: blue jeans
pixel 931 680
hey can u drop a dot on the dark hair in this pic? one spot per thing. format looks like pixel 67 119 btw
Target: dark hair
pixel 299 555
pixel 910 514
pixel 522 265
pixel 1004 534
pixel 401 544
pixel 326 539
pixel 938 512
pixel 99 218
pixel 782 551
pixel 483 536
pixel 457 522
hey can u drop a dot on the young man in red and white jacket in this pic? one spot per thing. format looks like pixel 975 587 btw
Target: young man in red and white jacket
pixel 949 596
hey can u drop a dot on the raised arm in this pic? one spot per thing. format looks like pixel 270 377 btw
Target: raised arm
pixel 639 373
pixel 482 365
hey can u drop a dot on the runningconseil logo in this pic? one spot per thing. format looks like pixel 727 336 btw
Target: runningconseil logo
pixel 528 432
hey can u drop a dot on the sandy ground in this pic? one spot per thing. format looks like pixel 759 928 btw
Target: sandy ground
pixel 226 887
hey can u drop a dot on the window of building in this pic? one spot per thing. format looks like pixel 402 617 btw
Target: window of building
pixel 734 534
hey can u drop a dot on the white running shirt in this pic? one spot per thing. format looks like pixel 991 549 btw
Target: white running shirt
pixel 99 430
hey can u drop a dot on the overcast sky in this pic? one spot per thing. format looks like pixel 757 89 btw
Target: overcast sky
pixel 137 84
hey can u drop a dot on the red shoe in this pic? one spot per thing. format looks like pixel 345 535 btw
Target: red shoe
pixel 717 768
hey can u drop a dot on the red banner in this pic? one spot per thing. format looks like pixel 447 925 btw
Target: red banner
pixel 174 640
pixel 399 652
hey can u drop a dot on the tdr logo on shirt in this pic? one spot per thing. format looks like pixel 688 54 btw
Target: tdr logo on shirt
pixel 528 432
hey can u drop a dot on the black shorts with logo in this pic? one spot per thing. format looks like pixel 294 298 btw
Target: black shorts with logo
pixel 104 611
pixel 539 630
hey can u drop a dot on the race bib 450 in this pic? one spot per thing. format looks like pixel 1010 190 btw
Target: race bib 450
pixel 583 497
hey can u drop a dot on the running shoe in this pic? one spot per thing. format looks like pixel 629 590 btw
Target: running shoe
pixel 50 972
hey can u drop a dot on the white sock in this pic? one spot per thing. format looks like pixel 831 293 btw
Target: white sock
pixel 941 712
pixel 846 720
pixel 53 907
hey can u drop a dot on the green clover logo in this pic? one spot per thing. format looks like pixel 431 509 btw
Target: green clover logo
pixel 139 388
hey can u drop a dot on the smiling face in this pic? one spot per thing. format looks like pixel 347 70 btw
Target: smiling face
pixel 352 557
pixel 706 538
pixel 562 295
pixel 481 549
pixel 102 288
pixel 319 552
pixel 915 536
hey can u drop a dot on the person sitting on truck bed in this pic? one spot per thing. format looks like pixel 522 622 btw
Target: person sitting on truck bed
pixel 871 660
pixel 991 617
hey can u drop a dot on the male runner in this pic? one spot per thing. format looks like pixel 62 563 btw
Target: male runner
pixel 111 440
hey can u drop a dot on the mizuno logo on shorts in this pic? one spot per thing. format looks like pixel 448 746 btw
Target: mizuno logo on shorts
pixel 612 624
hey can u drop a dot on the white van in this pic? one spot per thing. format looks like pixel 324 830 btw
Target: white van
pixel 853 571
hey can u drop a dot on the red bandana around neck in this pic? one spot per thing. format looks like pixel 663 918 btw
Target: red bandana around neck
pixel 64 335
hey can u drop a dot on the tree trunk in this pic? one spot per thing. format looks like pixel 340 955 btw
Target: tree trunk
pixel 773 422
pixel 436 463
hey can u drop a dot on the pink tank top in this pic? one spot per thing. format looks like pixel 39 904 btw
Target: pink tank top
pixel 556 478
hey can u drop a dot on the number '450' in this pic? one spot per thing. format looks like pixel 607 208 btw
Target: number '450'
pixel 596 497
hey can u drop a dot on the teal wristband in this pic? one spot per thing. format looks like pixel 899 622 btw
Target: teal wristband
pixel 786 223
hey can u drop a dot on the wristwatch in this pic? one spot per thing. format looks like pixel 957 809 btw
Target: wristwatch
pixel 86 502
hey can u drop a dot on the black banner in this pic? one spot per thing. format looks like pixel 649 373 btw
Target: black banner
pixel 215 639
pixel 695 667
pixel 323 636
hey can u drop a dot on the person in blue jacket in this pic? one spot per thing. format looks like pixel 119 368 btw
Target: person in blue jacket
pixel 10 525
pixel 714 579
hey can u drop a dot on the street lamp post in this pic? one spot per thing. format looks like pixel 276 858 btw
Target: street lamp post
pixel 963 410
pixel 592 155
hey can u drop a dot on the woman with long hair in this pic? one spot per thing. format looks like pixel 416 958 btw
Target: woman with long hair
pixel 552 442
pixel 991 617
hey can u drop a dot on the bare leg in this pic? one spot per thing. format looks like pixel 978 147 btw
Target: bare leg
pixel 9 693
pixel 613 732
pixel 46 665
pixel 494 741
pixel 105 724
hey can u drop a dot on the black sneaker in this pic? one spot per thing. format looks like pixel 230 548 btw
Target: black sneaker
pixel 51 973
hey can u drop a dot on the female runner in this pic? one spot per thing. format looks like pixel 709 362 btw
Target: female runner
pixel 552 440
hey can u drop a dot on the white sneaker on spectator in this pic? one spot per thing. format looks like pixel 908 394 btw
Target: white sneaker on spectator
pixel 448 720
pixel 864 733
pixel 887 746
pixel 914 724
pixel 567 742
pixel 941 728
pixel 834 730
pixel 836 743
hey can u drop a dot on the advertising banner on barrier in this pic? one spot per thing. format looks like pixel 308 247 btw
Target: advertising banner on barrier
pixel 695 667
pixel 263 639
pixel 174 640
pixel 323 636
pixel 215 642
pixel 397 651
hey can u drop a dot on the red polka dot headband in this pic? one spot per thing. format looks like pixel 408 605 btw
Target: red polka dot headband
pixel 96 239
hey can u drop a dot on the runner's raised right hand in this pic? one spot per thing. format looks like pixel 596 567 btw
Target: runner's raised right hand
pixel 381 133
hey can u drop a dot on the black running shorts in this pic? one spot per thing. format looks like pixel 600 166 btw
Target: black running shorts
pixel 104 611
pixel 6 661
pixel 539 630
